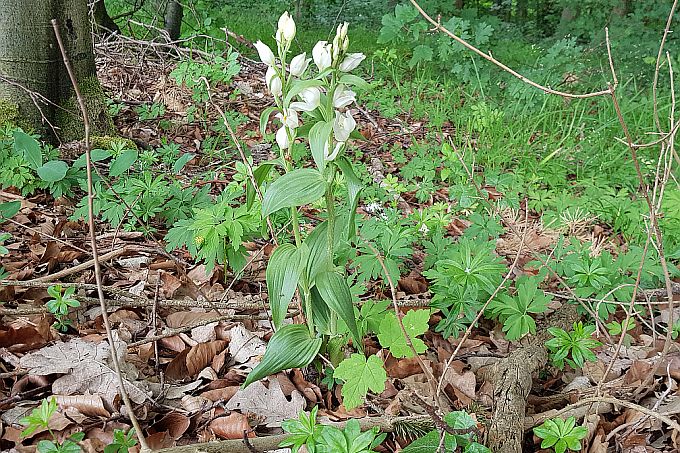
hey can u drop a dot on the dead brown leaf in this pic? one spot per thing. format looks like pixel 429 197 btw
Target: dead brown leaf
pixel 269 403
pixel 192 360
pixel 232 426
pixel 174 423
pixel 91 405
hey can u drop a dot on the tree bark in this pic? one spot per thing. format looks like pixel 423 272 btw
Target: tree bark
pixel 102 18
pixel 173 19
pixel 31 67
pixel 27 58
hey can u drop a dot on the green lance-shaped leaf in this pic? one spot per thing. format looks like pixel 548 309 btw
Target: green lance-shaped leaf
pixel 317 260
pixel 28 147
pixel 297 188
pixel 318 140
pixel 290 347
pixel 121 163
pixel 335 292
pixel 354 188
pixel 321 315
pixel 264 118
pixel 283 273
pixel 352 80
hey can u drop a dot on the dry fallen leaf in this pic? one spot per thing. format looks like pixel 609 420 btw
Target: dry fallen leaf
pixel 192 360
pixel 231 426
pixel 174 423
pixel 86 369
pixel 91 405
pixel 269 403
pixel 245 347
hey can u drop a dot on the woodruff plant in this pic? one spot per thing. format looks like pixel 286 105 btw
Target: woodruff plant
pixel 324 97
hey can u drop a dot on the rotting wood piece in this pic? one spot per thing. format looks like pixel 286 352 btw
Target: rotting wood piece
pixel 512 380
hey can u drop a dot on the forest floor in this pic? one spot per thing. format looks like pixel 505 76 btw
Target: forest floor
pixel 189 337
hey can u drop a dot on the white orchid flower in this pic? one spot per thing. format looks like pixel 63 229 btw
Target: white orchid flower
pixel 266 54
pixel 286 27
pixel 343 98
pixel 329 157
pixel 273 82
pixel 282 138
pixel 351 61
pixel 289 118
pixel 311 98
pixel 343 125
pixel 322 55
pixel 299 63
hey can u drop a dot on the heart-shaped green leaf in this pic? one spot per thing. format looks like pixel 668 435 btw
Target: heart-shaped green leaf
pixel 53 171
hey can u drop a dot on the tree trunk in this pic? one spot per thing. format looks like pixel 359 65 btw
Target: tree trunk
pixel 102 18
pixel 27 62
pixel 522 11
pixel 30 62
pixel 173 19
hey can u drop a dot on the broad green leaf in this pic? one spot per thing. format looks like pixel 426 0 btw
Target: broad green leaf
pixel 53 171
pixel 321 315
pixel 318 260
pixel 421 53
pixel 335 292
pixel 289 347
pixel 360 375
pixel 354 188
pixel 181 162
pixel 392 337
pixel 260 174
pixel 28 147
pixel 430 443
pixel 9 209
pixel 264 118
pixel 96 155
pixel 297 188
pixel 123 162
pixel 318 142
pixel 283 273
pixel 352 80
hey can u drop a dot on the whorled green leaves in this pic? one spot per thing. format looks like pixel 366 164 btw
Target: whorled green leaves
pixel 297 188
pixel 290 347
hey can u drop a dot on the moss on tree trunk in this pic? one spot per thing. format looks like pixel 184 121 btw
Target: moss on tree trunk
pixel 69 117
pixel 30 61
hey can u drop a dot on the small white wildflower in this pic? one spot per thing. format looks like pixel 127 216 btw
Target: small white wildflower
pixel 265 53
pixel 321 53
pixel 286 27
